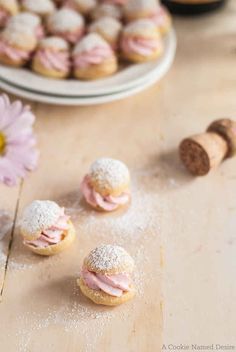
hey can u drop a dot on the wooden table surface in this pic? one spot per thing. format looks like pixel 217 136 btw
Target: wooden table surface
pixel 180 229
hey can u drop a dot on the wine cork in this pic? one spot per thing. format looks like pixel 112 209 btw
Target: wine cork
pixel 203 152
pixel 227 129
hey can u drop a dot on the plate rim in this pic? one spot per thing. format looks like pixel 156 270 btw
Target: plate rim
pixel 78 101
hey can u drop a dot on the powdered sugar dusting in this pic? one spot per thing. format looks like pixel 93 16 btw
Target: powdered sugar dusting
pixel 108 257
pixel 22 36
pixel 109 26
pixel 88 5
pixel 133 6
pixel 55 43
pixel 39 215
pixel 65 20
pixel 107 10
pixel 109 172
pixel 39 6
pixel 24 19
pixel 141 27
pixel 89 42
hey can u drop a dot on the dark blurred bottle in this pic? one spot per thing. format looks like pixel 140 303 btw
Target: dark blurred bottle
pixel 193 7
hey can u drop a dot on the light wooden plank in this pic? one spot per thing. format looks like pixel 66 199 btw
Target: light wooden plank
pixel 8 202
pixel 48 301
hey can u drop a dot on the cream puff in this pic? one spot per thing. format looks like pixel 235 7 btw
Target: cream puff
pixel 42 8
pixel 52 58
pixel 148 9
pixel 109 10
pixel 27 19
pixel 16 46
pixel 66 23
pixel 141 41
pixel 82 6
pixel 106 187
pixel 109 28
pixel 8 8
pixel 106 276
pixel 93 58
pixel 45 228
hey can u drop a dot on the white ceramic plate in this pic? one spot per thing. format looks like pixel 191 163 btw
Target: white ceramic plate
pixel 129 77
pixel 85 101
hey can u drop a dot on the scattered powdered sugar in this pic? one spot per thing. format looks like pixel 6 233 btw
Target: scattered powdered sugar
pixel 142 27
pixel 140 220
pixel 89 42
pixel 108 26
pixel 65 20
pixel 108 257
pixel 133 227
pixel 54 42
pixel 133 6
pixel 111 172
pixel 39 6
pixel 39 215
pixel 107 10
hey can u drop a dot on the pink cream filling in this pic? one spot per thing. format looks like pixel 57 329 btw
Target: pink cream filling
pixel 39 32
pixel 108 203
pixel 94 56
pixel 113 285
pixel 4 16
pixel 72 36
pixel 13 53
pixel 159 17
pixel 53 234
pixel 54 60
pixel 141 46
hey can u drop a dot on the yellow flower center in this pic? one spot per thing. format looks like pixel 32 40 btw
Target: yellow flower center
pixel 2 143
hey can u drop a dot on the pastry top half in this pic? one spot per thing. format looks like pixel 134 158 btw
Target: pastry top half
pixel 144 28
pixel 38 217
pixel 109 260
pixel 106 10
pixel 24 19
pixel 109 176
pixel 134 6
pixel 41 7
pixel 54 43
pixel 22 38
pixel 65 19
pixel 108 27
pixel 83 6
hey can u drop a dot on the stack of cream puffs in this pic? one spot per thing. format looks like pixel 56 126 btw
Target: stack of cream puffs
pixel 96 35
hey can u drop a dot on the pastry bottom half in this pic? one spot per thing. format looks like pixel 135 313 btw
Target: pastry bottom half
pixel 91 72
pixel 56 248
pixel 100 297
pixel 44 71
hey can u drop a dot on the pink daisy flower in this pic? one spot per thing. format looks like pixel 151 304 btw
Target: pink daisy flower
pixel 17 141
